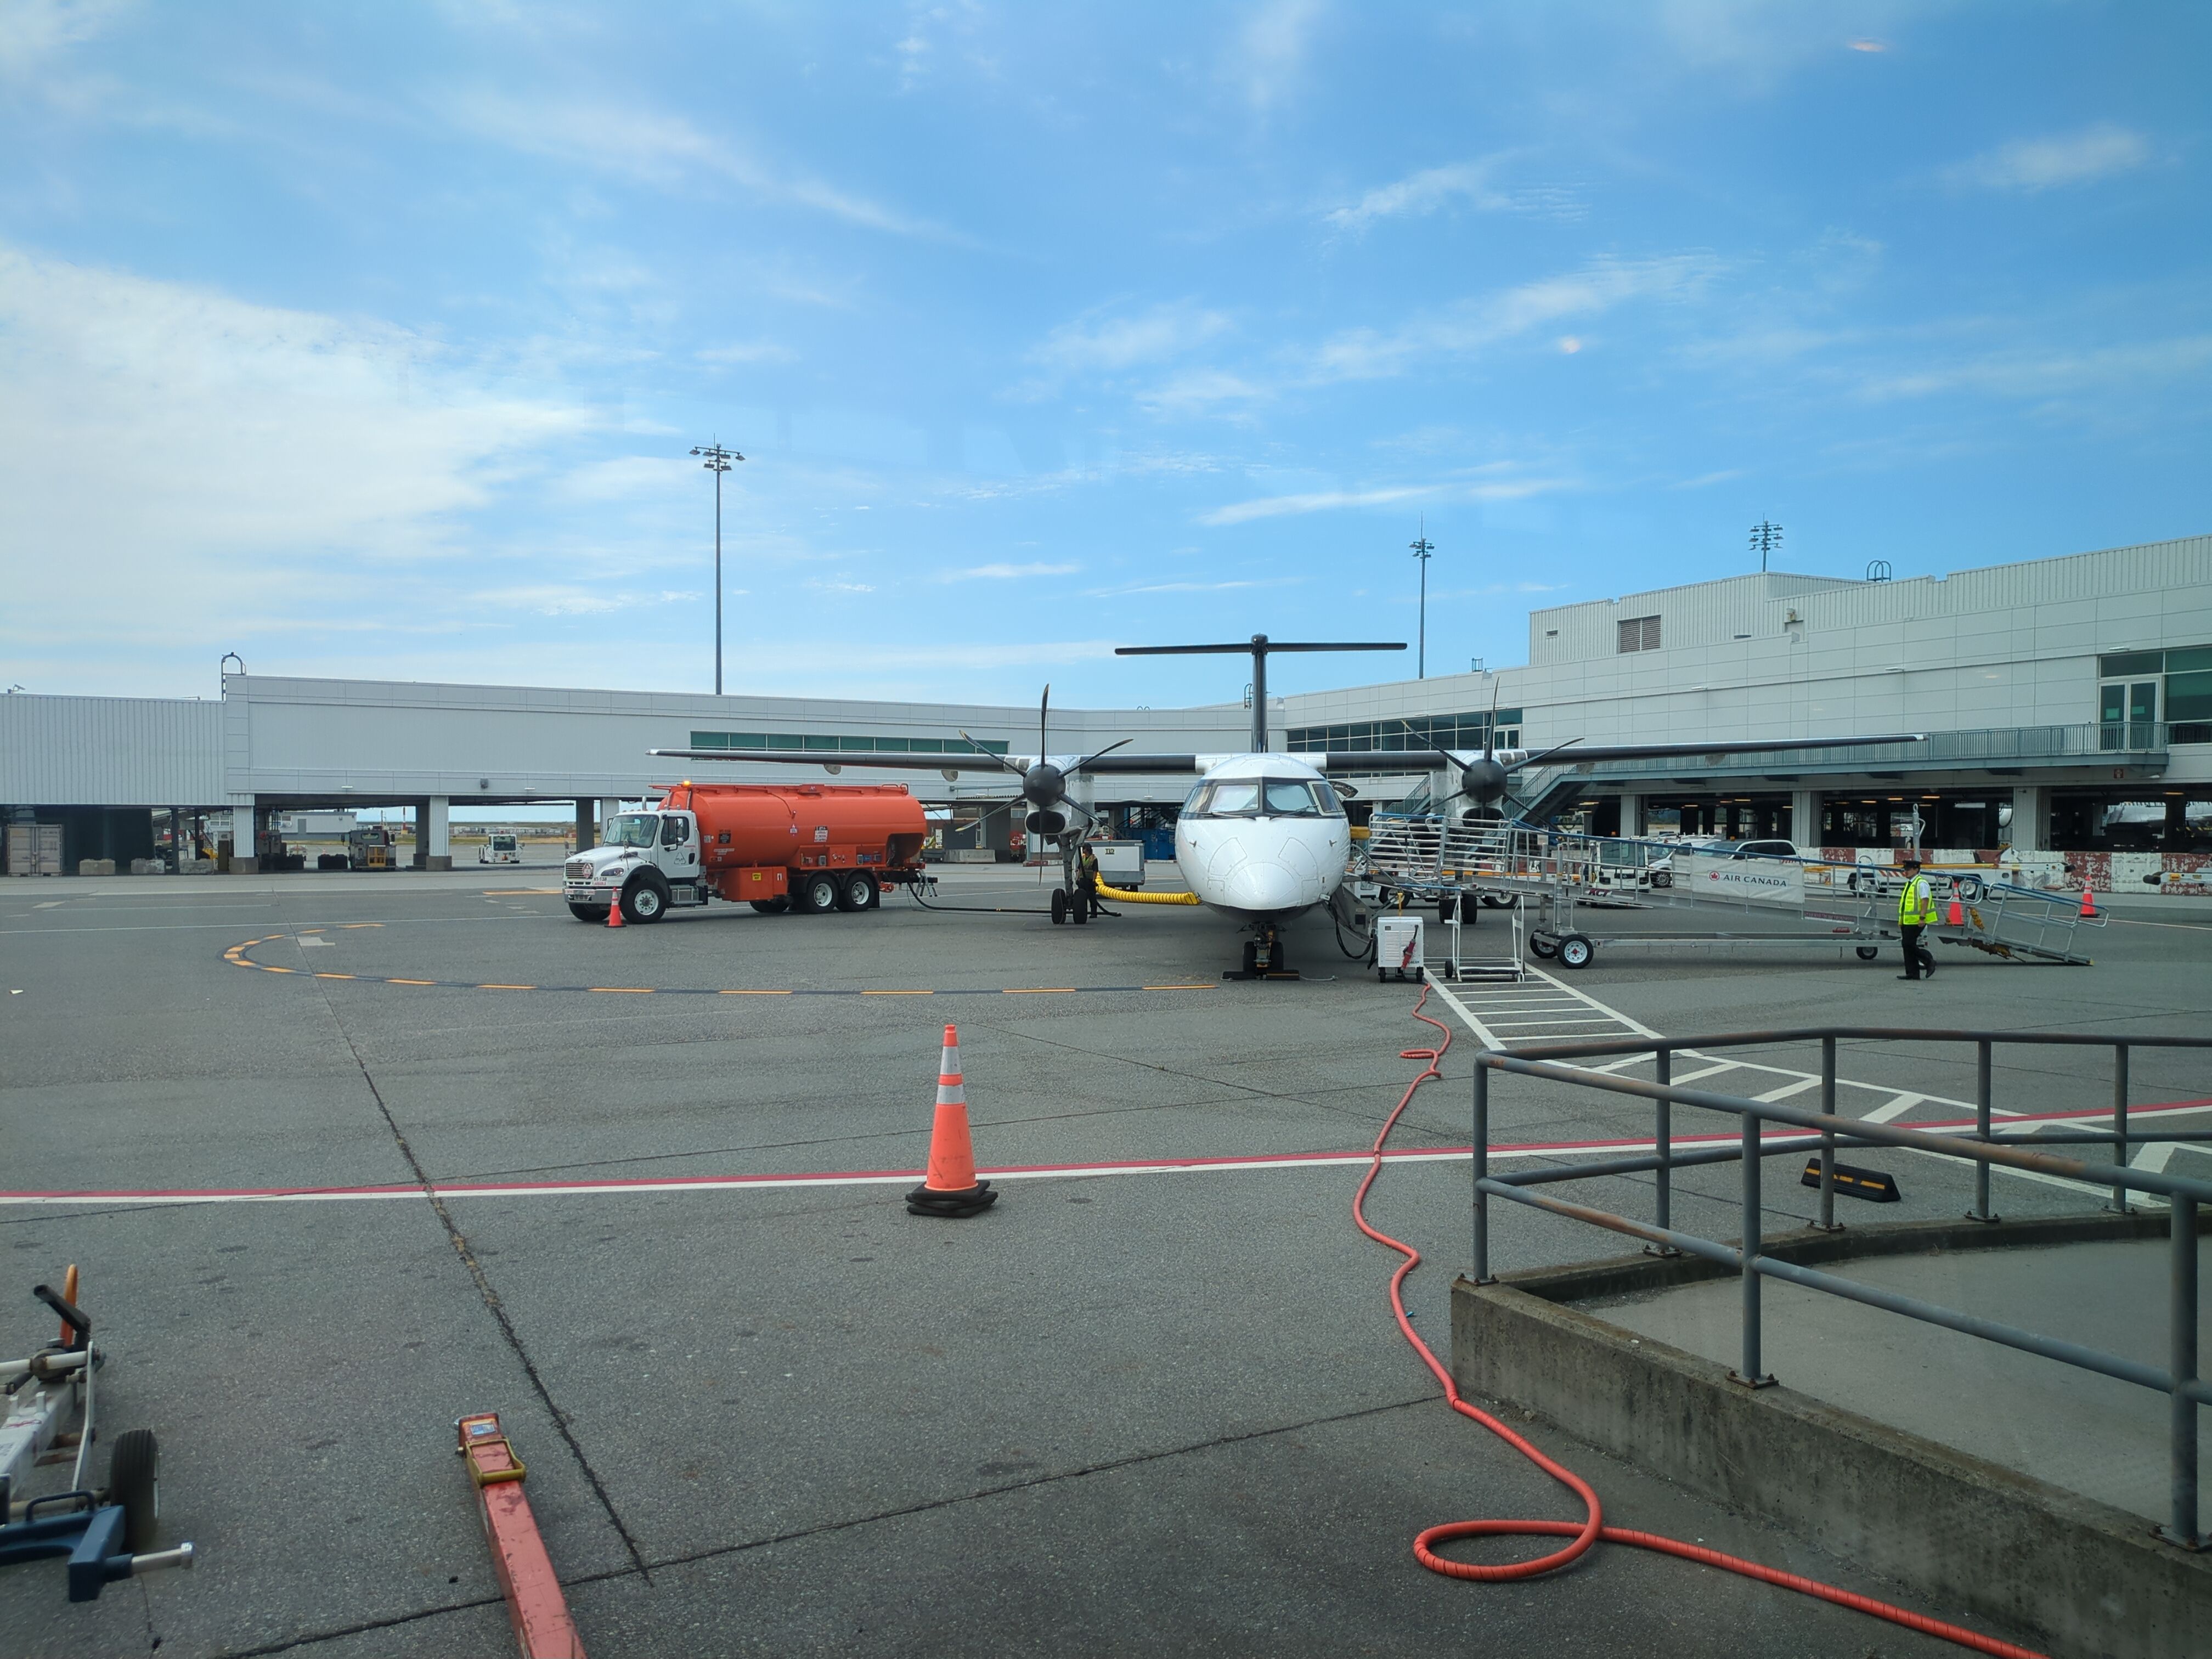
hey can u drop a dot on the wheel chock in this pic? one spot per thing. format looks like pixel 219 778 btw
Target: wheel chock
pixel 542 1628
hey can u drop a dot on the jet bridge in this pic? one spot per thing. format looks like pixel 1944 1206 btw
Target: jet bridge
pixel 1573 894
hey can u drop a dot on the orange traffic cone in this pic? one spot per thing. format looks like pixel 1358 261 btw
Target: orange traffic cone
pixel 2088 902
pixel 1957 915
pixel 614 912
pixel 951 1187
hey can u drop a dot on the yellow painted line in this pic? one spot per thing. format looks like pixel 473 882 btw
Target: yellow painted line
pixel 333 976
pixel 266 969
pixel 898 994
pixel 355 924
pixel 624 990
pixel 410 982
pixel 752 994
pixel 506 987
pixel 304 931
pixel 1200 987
pixel 1038 991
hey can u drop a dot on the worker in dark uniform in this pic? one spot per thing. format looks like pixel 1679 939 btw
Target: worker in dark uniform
pixel 1087 881
pixel 1915 913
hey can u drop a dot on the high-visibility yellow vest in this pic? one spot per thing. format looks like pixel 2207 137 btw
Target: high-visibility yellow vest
pixel 1916 905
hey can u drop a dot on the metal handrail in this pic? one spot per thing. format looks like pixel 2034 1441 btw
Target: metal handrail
pixel 2179 1381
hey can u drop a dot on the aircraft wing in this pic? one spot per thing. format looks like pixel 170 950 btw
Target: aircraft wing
pixel 914 760
pixel 1576 754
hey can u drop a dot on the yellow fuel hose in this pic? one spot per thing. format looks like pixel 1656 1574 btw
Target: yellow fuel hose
pixel 1120 895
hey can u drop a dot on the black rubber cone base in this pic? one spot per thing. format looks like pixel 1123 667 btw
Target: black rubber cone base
pixel 956 1204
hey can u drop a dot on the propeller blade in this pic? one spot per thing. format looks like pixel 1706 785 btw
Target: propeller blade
pixel 1490 731
pixel 1107 749
pixel 1538 760
pixel 1044 706
pixel 992 754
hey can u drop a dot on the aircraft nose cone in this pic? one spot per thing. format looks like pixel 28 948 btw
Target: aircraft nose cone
pixel 1257 886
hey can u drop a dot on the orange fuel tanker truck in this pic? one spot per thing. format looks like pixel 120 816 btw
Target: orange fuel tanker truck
pixel 810 847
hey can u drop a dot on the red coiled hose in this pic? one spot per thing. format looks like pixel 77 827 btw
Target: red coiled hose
pixel 1581 1534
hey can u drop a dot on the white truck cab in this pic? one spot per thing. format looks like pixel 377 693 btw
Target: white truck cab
pixel 500 849
pixel 649 862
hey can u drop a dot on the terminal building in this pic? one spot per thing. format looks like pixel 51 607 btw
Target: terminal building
pixel 2067 705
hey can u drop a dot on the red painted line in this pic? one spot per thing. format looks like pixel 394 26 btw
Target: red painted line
pixel 1002 1171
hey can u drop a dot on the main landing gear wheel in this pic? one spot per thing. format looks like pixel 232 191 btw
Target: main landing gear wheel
pixel 1869 954
pixel 1576 952
pixel 588 912
pixel 857 892
pixel 1058 906
pixel 645 901
pixel 818 895
pixel 1078 909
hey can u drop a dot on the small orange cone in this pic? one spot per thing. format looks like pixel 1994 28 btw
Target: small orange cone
pixel 951 1187
pixel 1957 917
pixel 614 912
pixel 2088 902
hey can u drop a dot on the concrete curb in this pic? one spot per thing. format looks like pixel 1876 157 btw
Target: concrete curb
pixel 2092 1579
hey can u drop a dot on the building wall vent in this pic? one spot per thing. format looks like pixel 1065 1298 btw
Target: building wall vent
pixel 1639 634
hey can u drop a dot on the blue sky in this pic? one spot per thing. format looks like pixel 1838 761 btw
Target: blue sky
pixel 370 340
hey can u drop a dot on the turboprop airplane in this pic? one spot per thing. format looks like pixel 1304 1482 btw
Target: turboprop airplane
pixel 1263 836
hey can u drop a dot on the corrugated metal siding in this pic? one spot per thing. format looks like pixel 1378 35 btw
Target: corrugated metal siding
pixel 110 751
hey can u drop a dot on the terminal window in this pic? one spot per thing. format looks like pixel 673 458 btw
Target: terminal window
pixel 1416 731
pixel 2130 704
pixel 831 743
pixel 1639 634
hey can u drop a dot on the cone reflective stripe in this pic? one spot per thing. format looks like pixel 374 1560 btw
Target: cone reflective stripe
pixel 949 1188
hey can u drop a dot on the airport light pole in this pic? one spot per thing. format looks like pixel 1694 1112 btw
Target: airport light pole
pixel 1422 549
pixel 1764 538
pixel 717 462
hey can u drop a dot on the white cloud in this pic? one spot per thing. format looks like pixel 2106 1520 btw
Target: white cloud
pixel 174 458
pixel 2038 164
pixel 34 31
pixel 571 600
pixel 748 351
pixel 1193 587
pixel 1120 342
pixel 1006 572
pixel 1424 192
pixel 659 149
pixel 1331 500
pixel 1268 59
pixel 2051 373
pixel 624 476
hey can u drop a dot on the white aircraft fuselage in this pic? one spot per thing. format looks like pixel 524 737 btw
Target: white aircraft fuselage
pixel 1262 838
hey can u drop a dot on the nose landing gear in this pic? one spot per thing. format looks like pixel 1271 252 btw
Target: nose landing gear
pixel 1264 957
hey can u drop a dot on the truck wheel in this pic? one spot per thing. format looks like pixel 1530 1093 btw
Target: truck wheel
pixel 645 901
pixel 1869 954
pixel 774 907
pixel 134 1471
pixel 856 892
pixel 588 912
pixel 817 896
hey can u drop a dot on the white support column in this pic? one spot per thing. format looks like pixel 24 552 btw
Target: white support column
pixel 587 825
pixel 1805 817
pixel 244 847
pixel 435 830
pixel 2031 819
pixel 1631 815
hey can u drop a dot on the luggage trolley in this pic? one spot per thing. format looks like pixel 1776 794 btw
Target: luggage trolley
pixel 105 1532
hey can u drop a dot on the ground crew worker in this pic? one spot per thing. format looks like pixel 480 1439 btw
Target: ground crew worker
pixel 1916 909
pixel 1087 881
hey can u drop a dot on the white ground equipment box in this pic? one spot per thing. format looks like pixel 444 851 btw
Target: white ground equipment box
pixel 1398 946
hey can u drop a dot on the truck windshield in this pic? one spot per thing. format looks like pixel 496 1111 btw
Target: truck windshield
pixel 633 830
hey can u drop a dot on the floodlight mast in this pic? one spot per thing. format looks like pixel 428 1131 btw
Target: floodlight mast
pixel 1422 548
pixel 717 462
pixel 1262 647
pixel 1764 538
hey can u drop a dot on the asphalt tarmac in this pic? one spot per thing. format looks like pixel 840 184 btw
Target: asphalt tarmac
pixel 322 1213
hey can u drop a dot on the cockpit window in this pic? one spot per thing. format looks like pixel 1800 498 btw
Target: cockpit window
pixel 1263 798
